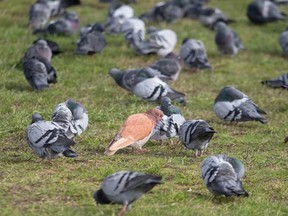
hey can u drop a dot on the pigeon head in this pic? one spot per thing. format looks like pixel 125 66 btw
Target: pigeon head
pixel 166 101
pixel 117 75
pixel 220 26
pixel 41 43
pixel 156 114
pixel 228 94
pixel 76 108
pixel 100 197
pixel 97 27
pixel 36 117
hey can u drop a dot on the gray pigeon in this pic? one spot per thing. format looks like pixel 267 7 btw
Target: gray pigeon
pixel 233 105
pixel 72 117
pixel 170 65
pixel 227 40
pixel 196 135
pixel 150 87
pixel 168 127
pixel 52 45
pixel 163 11
pixel 263 11
pixel 131 28
pixel 91 43
pixel 194 54
pixel 168 108
pixel 47 139
pixel 283 42
pixel 124 188
pixel 96 26
pixel 39 73
pixel 39 49
pixel 39 14
pixel 278 82
pixel 67 25
pixel 161 42
pixel 222 175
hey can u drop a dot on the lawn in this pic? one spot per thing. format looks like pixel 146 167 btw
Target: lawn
pixel 65 186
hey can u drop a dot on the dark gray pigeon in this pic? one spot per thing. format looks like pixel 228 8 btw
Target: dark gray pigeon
pixel 124 188
pixel 39 14
pixel 194 54
pixel 96 26
pixel 168 108
pixel 38 49
pixel 196 135
pixel 222 175
pixel 278 82
pixel 168 127
pixel 193 10
pixel 283 42
pixel 72 117
pixel 233 105
pixel 67 25
pixel 39 73
pixel 52 44
pixel 263 11
pixel 170 65
pixel 47 139
pixel 91 43
pixel 163 11
pixel 161 42
pixel 227 40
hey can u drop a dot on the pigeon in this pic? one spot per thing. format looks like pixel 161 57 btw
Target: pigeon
pixel 283 42
pixel 47 139
pixel 113 25
pixel 135 131
pixel 170 65
pixel 52 45
pixel 161 42
pixel 264 11
pixel 168 127
pixel 163 11
pixel 168 108
pixel 194 54
pixel 151 88
pixel 72 117
pixel 278 82
pixel 38 49
pixel 222 175
pixel 233 105
pixel 227 40
pixel 39 73
pixel 208 17
pixel 57 7
pixel 117 9
pixel 193 10
pixel 91 43
pixel 131 28
pixel 66 25
pixel 124 188
pixel 96 26
pixel 126 78
pixel 39 14
pixel 196 135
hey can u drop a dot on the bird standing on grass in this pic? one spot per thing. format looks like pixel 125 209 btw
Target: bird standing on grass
pixel 222 175
pixel 47 139
pixel 135 131
pixel 233 105
pixel 196 135
pixel 124 188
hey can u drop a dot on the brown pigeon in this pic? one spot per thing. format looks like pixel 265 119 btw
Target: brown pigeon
pixel 135 131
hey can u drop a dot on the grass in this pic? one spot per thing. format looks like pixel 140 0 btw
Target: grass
pixel 65 186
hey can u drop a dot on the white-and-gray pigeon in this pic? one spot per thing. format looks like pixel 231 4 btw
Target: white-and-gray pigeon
pixel 169 65
pixel 72 117
pixel 124 188
pixel 263 11
pixel 161 42
pixel 47 139
pixel 227 40
pixel 233 105
pixel 196 135
pixel 222 175
pixel 278 82
pixel 283 42
pixel 39 14
pixel 131 28
pixel 39 73
pixel 194 54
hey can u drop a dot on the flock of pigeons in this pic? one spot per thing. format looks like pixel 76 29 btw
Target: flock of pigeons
pixel 48 139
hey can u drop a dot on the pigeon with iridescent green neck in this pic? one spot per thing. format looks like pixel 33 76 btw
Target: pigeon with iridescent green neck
pixel 196 135
pixel 47 139
pixel 168 108
pixel 222 175
pixel 233 105
pixel 72 117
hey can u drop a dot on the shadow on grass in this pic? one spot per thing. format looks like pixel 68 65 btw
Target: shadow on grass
pixel 18 86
